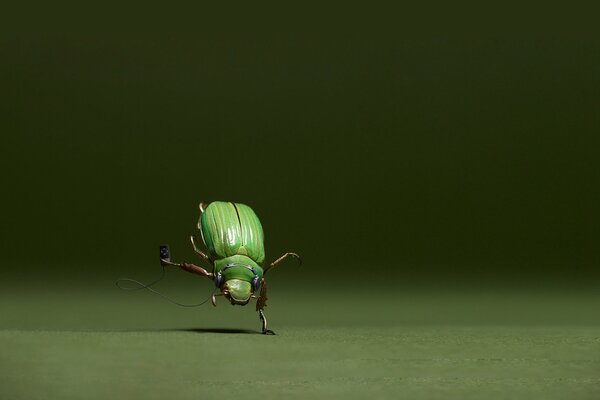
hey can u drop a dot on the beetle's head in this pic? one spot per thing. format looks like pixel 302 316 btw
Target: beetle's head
pixel 238 282
pixel 237 291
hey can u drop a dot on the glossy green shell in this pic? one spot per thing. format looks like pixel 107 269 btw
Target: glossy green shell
pixel 230 229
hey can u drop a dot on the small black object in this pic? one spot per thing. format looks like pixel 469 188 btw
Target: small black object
pixel 218 279
pixel 256 280
pixel 165 253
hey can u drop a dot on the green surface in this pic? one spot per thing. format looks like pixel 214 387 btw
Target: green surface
pixel 423 344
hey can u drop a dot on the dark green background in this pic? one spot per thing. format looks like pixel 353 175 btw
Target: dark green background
pixel 418 144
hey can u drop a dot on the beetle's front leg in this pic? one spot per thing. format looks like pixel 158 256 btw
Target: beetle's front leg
pixel 261 303
pixel 263 319
pixel 194 269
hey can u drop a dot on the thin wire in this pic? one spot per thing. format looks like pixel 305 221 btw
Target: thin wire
pixel 148 287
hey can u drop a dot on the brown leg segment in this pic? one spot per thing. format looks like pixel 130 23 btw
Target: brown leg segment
pixel 261 301
pixel 202 206
pixel 283 257
pixel 194 269
pixel 197 251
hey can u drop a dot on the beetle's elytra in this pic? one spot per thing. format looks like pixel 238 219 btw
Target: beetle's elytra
pixel 234 239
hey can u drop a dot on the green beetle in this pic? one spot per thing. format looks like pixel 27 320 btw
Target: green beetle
pixel 234 238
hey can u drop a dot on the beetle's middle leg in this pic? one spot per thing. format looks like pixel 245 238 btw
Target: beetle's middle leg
pixel 198 251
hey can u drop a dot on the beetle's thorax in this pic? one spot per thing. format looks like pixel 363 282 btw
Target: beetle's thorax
pixel 236 260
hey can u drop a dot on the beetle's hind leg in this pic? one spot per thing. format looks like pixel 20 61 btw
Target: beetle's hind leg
pixel 263 319
pixel 202 206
